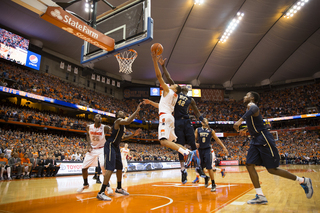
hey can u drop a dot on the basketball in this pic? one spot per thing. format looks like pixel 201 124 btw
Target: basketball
pixel 157 48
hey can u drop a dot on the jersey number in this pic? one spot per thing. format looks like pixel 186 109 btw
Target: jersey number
pixel 181 102
pixel 95 138
pixel 203 139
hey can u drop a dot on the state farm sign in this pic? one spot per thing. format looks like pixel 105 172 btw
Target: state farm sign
pixel 73 25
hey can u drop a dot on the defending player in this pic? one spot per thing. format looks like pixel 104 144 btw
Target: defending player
pixel 95 144
pixel 183 126
pixel 263 150
pixel 112 154
pixel 203 137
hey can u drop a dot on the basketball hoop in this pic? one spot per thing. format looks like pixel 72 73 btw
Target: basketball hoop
pixel 125 60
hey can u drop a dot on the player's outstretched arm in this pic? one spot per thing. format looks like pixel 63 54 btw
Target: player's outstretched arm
pixel 137 132
pixel 147 101
pixel 128 120
pixel 195 109
pixel 196 138
pixel 107 129
pixel 165 71
pixel 215 137
pixel 155 59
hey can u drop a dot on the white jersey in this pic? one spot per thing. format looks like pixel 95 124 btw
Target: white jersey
pixel 166 104
pixel 97 136
pixel 124 153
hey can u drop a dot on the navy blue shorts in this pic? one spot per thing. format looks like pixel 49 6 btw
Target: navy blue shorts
pixel 112 157
pixel 185 133
pixel 263 151
pixel 205 158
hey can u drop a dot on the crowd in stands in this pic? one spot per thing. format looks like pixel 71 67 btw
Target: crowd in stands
pixel 274 103
pixel 12 40
pixel 299 146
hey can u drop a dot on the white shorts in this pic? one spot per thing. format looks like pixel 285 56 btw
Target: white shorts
pixel 166 127
pixel 92 158
pixel 124 163
pixel 213 159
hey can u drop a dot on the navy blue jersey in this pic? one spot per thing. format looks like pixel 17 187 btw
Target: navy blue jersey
pixel 204 137
pixel 182 106
pixel 116 135
pixel 255 125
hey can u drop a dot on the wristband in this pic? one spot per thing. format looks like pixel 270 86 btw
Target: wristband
pixel 201 118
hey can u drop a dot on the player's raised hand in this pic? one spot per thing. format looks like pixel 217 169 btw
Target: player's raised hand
pixel 161 60
pixel 154 56
pixel 137 132
pixel 146 101
pixel 138 108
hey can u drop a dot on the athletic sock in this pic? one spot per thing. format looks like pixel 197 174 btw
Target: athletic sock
pixel 213 182
pixel 300 180
pixel 108 185
pixel 182 166
pixel 183 151
pixel 103 188
pixel 119 185
pixel 259 191
pixel 85 181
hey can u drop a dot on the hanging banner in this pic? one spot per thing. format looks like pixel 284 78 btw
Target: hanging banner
pixel 64 20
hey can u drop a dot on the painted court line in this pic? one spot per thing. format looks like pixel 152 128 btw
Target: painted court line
pixel 237 203
pixel 170 200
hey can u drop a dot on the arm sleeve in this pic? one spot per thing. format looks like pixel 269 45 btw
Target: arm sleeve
pixel 253 109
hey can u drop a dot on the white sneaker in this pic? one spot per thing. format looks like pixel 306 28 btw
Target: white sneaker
pixel 122 191
pixel 109 190
pixel 103 196
pixel 82 188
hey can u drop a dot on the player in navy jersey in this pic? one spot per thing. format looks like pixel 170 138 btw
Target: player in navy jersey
pixel 263 150
pixel 112 153
pixel 203 137
pixel 183 126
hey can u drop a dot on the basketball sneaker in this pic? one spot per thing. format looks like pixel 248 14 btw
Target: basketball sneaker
pixel 94 177
pixel 213 188
pixel 122 191
pixel 200 172
pixel 109 190
pixel 196 180
pixel 189 159
pixel 98 181
pixel 82 188
pixel 307 187
pixel 206 181
pixel 103 196
pixel 223 172
pixel 184 175
pixel 259 199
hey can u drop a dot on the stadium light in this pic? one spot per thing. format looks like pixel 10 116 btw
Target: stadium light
pixel 231 27
pixel 295 8
pixel 198 2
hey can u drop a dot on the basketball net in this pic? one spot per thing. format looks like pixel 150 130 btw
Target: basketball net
pixel 125 60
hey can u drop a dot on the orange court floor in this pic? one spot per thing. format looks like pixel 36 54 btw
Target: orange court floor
pixel 161 191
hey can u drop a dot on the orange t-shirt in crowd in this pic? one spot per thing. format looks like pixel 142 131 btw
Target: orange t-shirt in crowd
pixel 4 160
pixel 25 160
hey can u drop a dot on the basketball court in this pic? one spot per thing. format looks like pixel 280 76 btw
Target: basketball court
pixel 162 191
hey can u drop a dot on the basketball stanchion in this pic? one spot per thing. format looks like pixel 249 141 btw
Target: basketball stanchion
pixel 125 60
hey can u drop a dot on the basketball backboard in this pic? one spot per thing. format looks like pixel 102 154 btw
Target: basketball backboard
pixel 130 24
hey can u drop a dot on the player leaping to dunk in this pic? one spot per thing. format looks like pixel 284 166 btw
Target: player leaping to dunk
pixel 166 105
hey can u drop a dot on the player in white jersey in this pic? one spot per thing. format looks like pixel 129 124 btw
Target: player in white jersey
pixel 95 145
pixel 124 153
pixel 166 105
